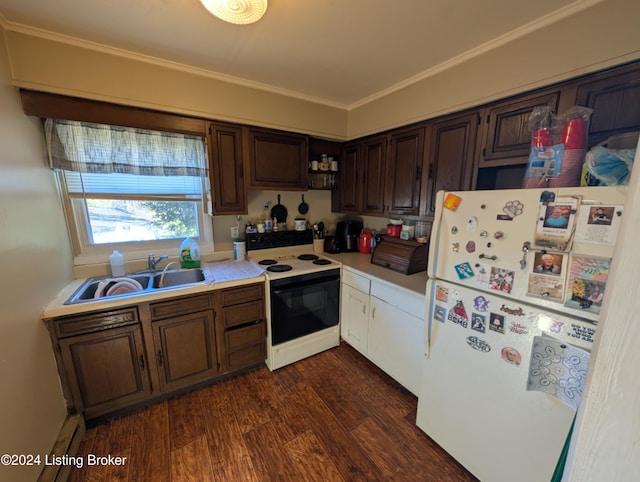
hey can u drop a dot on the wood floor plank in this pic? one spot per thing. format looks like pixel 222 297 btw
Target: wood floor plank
pixel 313 462
pixel 333 416
pixel 150 453
pixel 183 412
pixel 191 462
pixel 270 459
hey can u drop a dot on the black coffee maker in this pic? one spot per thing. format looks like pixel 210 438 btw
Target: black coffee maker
pixel 347 233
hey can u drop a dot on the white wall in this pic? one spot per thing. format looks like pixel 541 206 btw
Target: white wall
pixel 606 440
pixel 35 263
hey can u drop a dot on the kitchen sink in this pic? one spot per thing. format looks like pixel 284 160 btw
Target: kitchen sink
pixel 148 281
pixel 177 278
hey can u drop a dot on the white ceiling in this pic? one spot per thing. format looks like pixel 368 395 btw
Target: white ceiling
pixel 340 53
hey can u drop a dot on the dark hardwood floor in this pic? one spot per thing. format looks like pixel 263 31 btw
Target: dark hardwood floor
pixel 331 417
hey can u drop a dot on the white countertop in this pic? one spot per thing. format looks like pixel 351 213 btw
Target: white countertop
pixel 416 282
pixel 353 261
pixel 57 307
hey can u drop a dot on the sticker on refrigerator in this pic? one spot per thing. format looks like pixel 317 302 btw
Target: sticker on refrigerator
pixel 518 328
pixel 556 223
pixel 439 313
pixel 511 356
pixel 548 263
pixel 442 293
pixel 598 224
pixel 478 322
pixel 559 369
pixel 512 311
pixel 458 314
pixel 451 201
pixel 549 325
pixel 464 271
pixel 580 332
pixel 480 303
pixel 482 274
pixel 547 287
pixel 501 279
pixel 496 323
pixel 478 344
pixel 511 210
pixel 586 282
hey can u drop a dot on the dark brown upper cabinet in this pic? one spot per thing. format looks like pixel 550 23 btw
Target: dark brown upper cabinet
pixel 507 134
pixel 226 169
pixel 451 150
pixel 374 155
pixel 404 172
pixel 277 160
pixel 349 178
pixel 614 98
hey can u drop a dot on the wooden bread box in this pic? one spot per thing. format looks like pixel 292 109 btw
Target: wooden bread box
pixel 406 257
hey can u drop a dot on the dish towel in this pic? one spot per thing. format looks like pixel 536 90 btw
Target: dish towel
pixel 220 271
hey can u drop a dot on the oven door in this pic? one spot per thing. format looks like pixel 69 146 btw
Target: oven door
pixel 304 304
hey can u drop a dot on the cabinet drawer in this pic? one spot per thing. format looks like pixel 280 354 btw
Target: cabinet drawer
pixel 242 294
pixel 242 314
pixel 412 303
pixel 245 336
pixel 356 281
pixel 87 323
pixel 249 355
pixel 180 306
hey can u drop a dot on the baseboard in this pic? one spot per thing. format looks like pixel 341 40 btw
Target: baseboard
pixel 67 443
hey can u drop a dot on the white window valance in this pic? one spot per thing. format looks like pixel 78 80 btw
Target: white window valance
pixel 104 149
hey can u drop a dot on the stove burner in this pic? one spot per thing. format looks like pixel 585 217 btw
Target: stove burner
pixel 321 261
pixel 279 268
pixel 307 257
pixel 267 262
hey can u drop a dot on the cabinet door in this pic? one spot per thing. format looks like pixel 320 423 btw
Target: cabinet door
pixel 106 370
pixel 508 137
pixel 349 178
pixel 404 173
pixel 614 97
pixel 451 153
pixel 354 317
pixel 185 350
pixel 277 160
pixel 374 154
pixel 395 343
pixel 226 171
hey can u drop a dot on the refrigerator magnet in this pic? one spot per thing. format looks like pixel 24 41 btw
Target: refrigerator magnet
pixel 501 279
pixel 511 356
pixel 451 201
pixel 478 344
pixel 470 247
pixel 464 271
pixel 480 303
pixel 439 313
pixel 442 293
pixel 478 322
pixel 496 323
pixel 458 314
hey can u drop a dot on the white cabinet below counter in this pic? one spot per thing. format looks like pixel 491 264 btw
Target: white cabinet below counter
pixel 386 324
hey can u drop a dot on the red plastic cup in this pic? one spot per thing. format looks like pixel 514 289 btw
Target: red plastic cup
pixel 541 138
pixel 573 134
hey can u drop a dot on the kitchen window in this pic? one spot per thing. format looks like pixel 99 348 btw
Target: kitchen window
pixel 135 190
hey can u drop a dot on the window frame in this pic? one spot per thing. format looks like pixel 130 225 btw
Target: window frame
pixel 85 253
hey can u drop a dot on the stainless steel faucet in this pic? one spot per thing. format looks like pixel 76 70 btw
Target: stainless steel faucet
pixel 153 262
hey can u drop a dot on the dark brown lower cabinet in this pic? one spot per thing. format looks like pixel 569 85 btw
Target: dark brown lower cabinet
pixel 241 326
pixel 111 360
pixel 105 371
pixel 185 350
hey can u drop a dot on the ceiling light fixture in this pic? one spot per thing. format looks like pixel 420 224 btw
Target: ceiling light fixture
pixel 241 12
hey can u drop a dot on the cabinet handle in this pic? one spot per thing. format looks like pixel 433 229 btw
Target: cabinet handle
pixel 142 362
pixel 160 357
pixel 373 312
pixel 364 310
pixel 418 170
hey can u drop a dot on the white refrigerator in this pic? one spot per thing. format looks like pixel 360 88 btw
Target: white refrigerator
pixel 515 285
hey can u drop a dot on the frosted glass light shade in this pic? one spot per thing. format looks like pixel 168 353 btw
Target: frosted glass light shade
pixel 240 12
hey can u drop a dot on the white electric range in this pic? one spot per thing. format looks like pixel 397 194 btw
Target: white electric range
pixel 303 301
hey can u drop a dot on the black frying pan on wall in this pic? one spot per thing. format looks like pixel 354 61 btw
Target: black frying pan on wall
pixel 279 212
